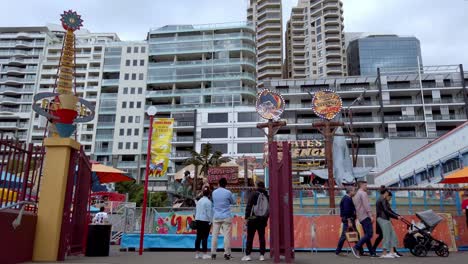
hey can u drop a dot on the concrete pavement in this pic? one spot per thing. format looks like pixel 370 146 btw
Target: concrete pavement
pixel 177 257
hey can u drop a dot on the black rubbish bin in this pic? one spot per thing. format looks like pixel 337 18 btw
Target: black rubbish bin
pixel 98 242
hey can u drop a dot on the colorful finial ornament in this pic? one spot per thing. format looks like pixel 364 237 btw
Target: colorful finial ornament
pixel 63 108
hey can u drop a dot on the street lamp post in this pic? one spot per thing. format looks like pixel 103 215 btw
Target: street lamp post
pixel 151 113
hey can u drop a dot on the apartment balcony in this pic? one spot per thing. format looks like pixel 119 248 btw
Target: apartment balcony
pixel 106 125
pixel 334 62
pixel 180 154
pixel 161 50
pixel 332 37
pixel 331 54
pixel 110 82
pixel 12 69
pixel 103 151
pixel 182 139
pixel 107 110
pixel 270 26
pixel 180 64
pixel 190 107
pixel 127 164
pixel 268 3
pixel 331 21
pixel 331 13
pixel 334 70
pixel 450 117
pixel 21 43
pixel 403 118
pixel 111 68
pixel 16 80
pixel 19 53
pixel 260 36
pixel 12 125
pixel 309 136
pixel 362 119
pixel 370 135
pixel 4 109
pixel 207 91
pixel 402 102
pixel 406 134
pixel 201 77
pixel 269 64
pixel 444 101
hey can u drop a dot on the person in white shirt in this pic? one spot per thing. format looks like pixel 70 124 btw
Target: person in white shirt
pixel 101 218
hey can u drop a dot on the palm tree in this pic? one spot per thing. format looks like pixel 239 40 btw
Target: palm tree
pixel 205 159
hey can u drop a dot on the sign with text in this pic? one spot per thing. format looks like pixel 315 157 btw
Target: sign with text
pixel 161 146
pixel 326 104
pixel 230 173
pixel 300 149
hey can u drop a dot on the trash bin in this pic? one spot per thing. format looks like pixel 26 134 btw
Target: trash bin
pixel 98 242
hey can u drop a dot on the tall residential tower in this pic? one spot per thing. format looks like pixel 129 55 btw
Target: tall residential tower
pixel 266 17
pixel 315 44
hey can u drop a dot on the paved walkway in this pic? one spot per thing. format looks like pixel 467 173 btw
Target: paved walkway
pixel 176 257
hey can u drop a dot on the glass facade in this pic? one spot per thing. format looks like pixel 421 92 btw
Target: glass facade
pixel 367 54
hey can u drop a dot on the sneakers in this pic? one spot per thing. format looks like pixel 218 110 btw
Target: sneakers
pixel 206 256
pixel 197 256
pixel 246 258
pixel 227 256
pixel 213 256
pixel 395 255
pixel 387 256
pixel 262 258
pixel 355 252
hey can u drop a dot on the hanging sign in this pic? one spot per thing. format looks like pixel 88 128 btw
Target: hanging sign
pixel 230 173
pixel 269 105
pixel 326 104
pixel 161 146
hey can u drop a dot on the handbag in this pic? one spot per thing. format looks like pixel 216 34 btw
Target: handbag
pixel 193 225
pixel 352 235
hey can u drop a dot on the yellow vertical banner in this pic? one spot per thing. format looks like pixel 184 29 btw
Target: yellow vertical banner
pixel 161 144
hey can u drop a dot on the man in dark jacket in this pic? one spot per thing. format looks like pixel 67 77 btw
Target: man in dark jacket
pixel 348 216
pixel 256 223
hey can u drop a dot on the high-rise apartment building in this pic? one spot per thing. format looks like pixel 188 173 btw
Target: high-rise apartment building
pixel 194 71
pixel 315 44
pixel 368 53
pixel 266 17
pixel 21 49
pixel 89 78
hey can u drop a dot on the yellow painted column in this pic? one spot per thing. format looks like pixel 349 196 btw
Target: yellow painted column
pixel 51 197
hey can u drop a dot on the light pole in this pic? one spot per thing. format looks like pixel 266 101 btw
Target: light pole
pixel 151 113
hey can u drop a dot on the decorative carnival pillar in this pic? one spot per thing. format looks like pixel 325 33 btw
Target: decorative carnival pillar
pixel 62 109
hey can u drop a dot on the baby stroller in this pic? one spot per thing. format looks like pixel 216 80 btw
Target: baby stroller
pixel 419 239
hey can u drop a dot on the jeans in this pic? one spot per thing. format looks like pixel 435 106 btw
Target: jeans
pixel 368 233
pixel 203 231
pixel 225 224
pixel 343 234
pixel 390 239
pixel 256 225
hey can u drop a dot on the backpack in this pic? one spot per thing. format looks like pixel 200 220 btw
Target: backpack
pixel 261 209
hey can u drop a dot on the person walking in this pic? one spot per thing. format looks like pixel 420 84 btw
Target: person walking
pixel 348 216
pixel 222 218
pixel 203 218
pixel 364 215
pixel 256 217
pixel 465 206
pixel 384 214
pixel 378 230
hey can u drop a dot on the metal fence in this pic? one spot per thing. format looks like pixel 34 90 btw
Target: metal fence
pixel 20 173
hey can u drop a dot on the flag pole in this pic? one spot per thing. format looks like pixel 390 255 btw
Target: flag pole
pixel 151 112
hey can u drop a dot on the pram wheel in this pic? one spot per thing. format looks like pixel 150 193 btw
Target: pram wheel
pixel 419 251
pixel 442 250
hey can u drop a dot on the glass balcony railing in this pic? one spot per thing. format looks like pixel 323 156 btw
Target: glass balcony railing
pixel 199 48
pixel 201 77
pixel 215 90
pixel 226 36
pixel 110 82
pixel 201 62
pixel 185 107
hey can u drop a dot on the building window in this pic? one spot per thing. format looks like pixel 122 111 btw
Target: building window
pixel 125 91
pixel 135 62
pixel 127 145
pixel 122 119
pixel 141 76
pixel 127 63
pixel 246 132
pixel 120 145
pixel 138 104
pixel 129 131
pixel 132 105
pixel 142 62
pixel 135 145
pixel 129 49
pixel 451 165
pixel 143 49
pixel 137 119
pixel 217 118
pixel 130 119
pixel 122 132
pixel 127 76
pixel 135 49
pixel 132 91
pixel 223 148
pixel 133 76
pixel 136 132
pixel 250 148
pixel 124 104
pixel 140 90
pixel 214 132
pixel 247 117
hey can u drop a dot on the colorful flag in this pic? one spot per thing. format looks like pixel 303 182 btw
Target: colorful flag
pixel 161 146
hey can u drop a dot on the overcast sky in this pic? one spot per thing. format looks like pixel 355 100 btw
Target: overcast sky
pixel 440 25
